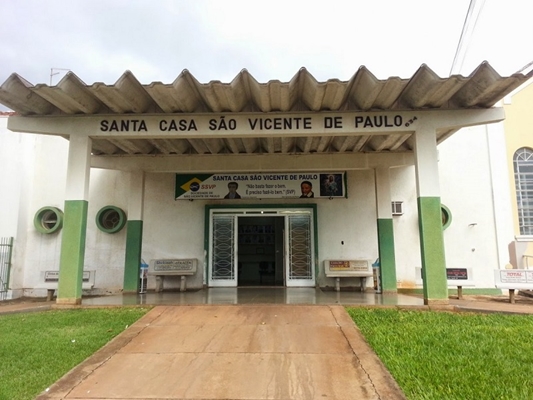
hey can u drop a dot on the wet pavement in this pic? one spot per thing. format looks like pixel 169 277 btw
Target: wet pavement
pixel 262 295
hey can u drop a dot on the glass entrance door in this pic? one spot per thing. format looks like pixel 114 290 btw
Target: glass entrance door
pixel 260 250
pixel 244 247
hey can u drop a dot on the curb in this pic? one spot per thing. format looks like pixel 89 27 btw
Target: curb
pixel 384 384
pixel 61 388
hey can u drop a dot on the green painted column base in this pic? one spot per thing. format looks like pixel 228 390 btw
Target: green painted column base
pixel 68 301
pixel 432 251
pixel 72 252
pixel 132 263
pixel 387 258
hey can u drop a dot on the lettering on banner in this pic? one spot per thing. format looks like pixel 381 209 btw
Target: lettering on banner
pixel 333 122
pixel 126 125
pixel 179 125
pixel 260 185
pixel 378 121
pixel 257 124
pixel 279 123
pixel 222 124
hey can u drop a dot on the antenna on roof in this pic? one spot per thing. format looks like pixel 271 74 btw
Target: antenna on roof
pixel 526 68
pixel 56 71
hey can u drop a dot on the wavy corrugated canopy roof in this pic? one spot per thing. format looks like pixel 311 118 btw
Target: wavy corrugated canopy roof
pixel 244 94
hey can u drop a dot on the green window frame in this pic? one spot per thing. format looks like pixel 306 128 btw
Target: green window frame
pixel 48 220
pixel 446 216
pixel 111 219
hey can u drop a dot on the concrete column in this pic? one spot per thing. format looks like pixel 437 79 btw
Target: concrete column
pixel 134 232
pixel 385 231
pixel 75 221
pixel 501 195
pixel 430 217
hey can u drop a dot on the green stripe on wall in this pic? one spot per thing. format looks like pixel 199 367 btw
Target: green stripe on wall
pixel 72 252
pixel 432 249
pixel 132 263
pixel 386 255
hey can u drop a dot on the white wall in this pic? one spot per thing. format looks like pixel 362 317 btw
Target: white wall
pixel 34 170
pixel 406 238
pixel 44 185
pixel 175 229
pixel 352 221
pixel 11 176
pixel 172 229
pixel 105 252
pixel 466 189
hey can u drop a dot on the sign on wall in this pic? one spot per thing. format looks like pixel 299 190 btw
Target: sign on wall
pixel 279 185
pixel 259 123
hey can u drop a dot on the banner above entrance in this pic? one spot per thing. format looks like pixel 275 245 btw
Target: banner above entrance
pixel 260 185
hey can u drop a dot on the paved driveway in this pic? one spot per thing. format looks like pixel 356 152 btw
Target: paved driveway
pixel 233 352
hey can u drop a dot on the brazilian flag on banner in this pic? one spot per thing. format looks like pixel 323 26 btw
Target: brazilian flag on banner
pixel 188 182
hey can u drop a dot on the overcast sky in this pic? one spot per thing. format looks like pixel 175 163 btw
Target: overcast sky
pixel 100 39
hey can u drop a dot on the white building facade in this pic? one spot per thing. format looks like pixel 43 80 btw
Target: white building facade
pixel 255 240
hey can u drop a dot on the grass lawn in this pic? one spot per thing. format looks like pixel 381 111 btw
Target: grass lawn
pixel 36 349
pixel 438 355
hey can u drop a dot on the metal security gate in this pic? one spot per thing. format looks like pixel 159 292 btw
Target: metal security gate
pixel 6 247
pixel 223 271
pixel 300 271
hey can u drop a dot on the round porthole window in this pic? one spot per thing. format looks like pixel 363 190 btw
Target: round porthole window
pixel 48 220
pixel 110 219
pixel 446 216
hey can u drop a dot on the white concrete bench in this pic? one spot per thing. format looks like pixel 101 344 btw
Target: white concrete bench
pixel 50 279
pixel 455 277
pixel 338 269
pixel 513 279
pixel 172 267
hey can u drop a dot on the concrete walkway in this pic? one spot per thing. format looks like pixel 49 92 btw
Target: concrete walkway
pixel 243 345
pixel 233 352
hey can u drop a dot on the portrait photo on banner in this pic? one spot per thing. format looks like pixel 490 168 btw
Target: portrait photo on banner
pixel 331 185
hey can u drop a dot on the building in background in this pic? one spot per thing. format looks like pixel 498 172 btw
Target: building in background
pixel 518 124
pixel 105 177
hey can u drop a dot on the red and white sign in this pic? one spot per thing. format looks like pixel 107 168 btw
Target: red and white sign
pixel 513 278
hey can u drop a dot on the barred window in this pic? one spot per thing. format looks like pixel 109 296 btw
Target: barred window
pixel 523 177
